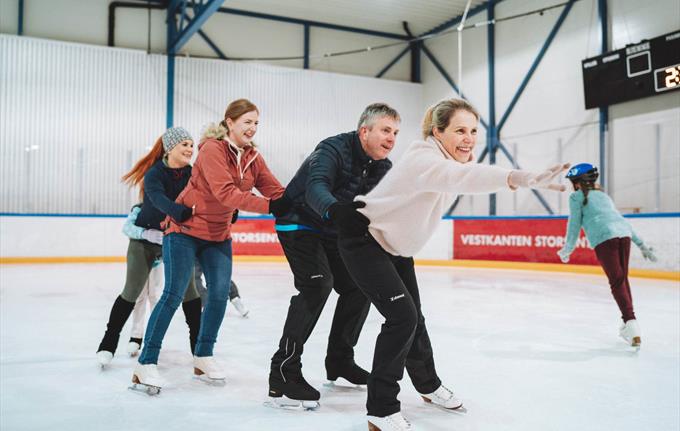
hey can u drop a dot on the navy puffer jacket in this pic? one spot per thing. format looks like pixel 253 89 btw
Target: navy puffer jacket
pixel 337 170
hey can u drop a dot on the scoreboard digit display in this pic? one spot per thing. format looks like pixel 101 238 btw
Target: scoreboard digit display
pixel 644 69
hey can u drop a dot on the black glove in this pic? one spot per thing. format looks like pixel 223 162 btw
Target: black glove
pixel 186 214
pixel 280 206
pixel 234 216
pixel 347 219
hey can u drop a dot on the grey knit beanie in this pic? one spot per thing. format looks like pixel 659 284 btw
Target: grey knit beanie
pixel 174 136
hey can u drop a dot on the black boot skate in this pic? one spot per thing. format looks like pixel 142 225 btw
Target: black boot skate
pixel 350 371
pixel 292 392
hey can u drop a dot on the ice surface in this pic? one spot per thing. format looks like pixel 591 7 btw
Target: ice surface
pixel 524 350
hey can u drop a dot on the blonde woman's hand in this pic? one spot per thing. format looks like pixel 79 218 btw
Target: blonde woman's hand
pixel 542 180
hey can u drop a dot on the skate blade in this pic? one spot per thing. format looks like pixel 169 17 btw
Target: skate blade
pixel 212 382
pixel 286 403
pixel 459 409
pixel 343 386
pixel 146 389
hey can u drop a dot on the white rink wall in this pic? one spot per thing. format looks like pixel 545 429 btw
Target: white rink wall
pixel 101 236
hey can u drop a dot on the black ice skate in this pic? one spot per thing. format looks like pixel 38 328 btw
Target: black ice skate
pixel 292 393
pixel 349 371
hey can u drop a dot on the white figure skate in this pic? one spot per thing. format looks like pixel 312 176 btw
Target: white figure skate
pixel 240 306
pixel 208 370
pixel 104 358
pixel 443 397
pixel 133 348
pixel 394 422
pixel 145 378
pixel 630 331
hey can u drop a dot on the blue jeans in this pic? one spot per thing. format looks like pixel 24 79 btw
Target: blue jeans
pixel 179 252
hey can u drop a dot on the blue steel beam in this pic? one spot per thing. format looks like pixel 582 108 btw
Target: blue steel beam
pixel 448 79
pixel 536 62
pixel 393 62
pixel 214 47
pixel 312 23
pixel 450 23
pixel 604 110
pixel 536 193
pixel 20 24
pixel 306 47
pixel 456 20
pixel 170 91
pixel 416 48
pixel 202 13
pixel 492 131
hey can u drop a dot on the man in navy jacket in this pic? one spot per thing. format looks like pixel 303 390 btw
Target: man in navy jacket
pixel 322 191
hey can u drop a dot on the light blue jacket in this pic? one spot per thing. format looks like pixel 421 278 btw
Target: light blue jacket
pixel 132 231
pixel 600 219
pixel 129 228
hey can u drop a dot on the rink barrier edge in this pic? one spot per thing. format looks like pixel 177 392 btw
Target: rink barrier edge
pixel 492 264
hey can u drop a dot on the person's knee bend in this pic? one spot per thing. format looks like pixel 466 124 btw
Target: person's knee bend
pixel 316 291
pixel 172 300
pixel 404 315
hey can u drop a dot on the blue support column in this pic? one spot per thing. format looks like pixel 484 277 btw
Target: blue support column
pixel 491 130
pixel 20 24
pixel 604 111
pixel 306 47
pixel 178 36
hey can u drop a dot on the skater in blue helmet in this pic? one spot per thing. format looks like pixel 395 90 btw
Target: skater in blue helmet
pixel 610 235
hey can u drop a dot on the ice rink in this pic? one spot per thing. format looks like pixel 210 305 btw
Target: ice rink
pixel 524 350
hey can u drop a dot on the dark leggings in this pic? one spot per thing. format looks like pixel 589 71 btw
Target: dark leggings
pixel 613 255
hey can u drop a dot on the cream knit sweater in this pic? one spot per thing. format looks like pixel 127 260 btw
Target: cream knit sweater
pixel 408 204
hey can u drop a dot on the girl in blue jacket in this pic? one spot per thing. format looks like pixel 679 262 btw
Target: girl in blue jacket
pixel 610 235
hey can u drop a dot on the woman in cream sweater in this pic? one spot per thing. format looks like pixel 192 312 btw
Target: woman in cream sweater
pixel 403 211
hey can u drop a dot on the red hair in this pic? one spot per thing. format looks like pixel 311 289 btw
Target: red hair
pixel 136 175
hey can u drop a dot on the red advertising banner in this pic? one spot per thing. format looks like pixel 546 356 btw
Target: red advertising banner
pixel 518 240
pixel 255 237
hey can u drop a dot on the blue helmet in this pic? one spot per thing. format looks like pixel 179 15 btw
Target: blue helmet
pixel 583 172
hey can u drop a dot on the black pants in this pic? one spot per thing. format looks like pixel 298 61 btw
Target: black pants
pixel 317 268
pixel 390 284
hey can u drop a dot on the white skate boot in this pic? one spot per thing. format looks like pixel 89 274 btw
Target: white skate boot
pixel 443 397
pixel 133 348
pixel 207 369
pixel 630 331
pixel 104 358
pixel 145 378
pixel 394 422
pixel 240 307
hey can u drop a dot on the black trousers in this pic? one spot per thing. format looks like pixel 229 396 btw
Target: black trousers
pixel 317 268
pixel 390 284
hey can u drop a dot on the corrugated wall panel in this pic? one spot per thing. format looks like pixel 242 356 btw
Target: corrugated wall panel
pixel 72 118
pixel 298 108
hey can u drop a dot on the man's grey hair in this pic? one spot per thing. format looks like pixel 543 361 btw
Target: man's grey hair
pixel 375 111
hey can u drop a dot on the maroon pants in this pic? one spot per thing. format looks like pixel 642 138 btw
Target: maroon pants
pixel 613 255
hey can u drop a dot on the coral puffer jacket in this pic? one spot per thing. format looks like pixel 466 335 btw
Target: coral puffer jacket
pixel 221 181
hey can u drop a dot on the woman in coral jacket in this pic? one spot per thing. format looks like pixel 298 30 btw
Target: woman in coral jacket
pixel 228 167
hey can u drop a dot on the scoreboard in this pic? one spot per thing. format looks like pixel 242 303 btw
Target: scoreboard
pixel 640 70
